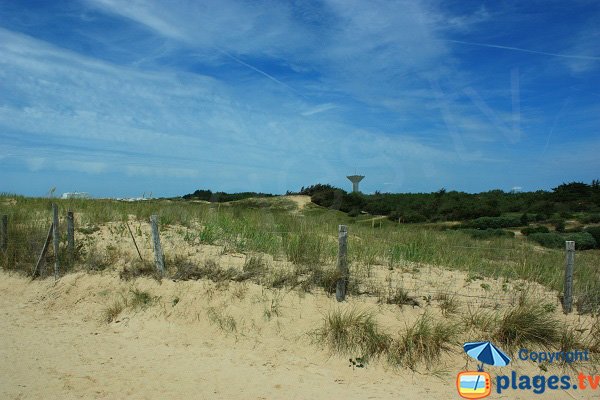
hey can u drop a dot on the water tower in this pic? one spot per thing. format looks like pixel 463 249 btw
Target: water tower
pixel 355 179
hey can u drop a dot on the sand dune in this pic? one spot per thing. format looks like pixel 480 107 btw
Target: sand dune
pixel 55 344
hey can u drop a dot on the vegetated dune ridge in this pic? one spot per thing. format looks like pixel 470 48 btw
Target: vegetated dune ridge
pixel 95 335
pixel 182 344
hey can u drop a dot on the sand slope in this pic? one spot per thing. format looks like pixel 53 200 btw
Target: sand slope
pixel 54 345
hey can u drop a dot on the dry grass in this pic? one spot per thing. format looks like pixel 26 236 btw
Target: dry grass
pixel 423 342
pixel 353 332
pixel 111 313
pixel 525 325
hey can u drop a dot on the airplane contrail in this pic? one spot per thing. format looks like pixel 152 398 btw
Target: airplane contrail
pixel 257 70
pixel 496 46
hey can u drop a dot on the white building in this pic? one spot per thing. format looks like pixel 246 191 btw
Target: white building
pixel 76 195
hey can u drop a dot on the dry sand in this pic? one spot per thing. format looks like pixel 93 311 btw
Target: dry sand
pixel 54 345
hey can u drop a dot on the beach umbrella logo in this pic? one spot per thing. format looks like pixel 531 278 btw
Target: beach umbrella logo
pixel 478 384
pixel 486 353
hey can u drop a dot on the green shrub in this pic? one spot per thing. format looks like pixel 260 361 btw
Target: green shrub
pixel 595 232
pixel 413 217
pixel 559 226
pixel 591 219
pixel 534 229
pixel 355 212
pixel 573 230
pixel 553 240
pixel 539 217
pixel 492 223
pixel 583 240
pixel 488 233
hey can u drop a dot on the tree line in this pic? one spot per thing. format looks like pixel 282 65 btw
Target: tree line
pixel 443 205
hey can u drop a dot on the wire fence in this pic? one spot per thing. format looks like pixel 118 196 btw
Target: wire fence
pixel 24 246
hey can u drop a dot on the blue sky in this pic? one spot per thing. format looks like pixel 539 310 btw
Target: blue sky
pixel 120 98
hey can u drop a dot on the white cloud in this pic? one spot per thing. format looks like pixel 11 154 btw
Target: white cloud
pixel 303 93
pixel 97 117
pixel 319 109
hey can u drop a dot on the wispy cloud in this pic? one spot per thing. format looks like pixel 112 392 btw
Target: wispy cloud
pixel 276 95
pixel 544 53
pixel 319 109
pixel 163 123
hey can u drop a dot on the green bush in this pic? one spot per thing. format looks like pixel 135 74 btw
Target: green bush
pixel 595 232
pixel 355 212
pixel 492 223
pixel 413 217
pixel 583 240
pixel 591 219
pixel 552 240
pixel 534 229
pixel 488 233
pixel 559 226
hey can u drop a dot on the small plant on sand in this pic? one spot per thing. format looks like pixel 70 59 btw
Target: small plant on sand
pixel 351 332
pixel 588 302
pixel 94 260
pixel 398 296
pixel 570 339
pixel 424 341
pixel 139 268
pixel 209 270
pixel 224 321
pixel 254 268
pixel 112 312
pixel 140 299
pixel 272 307
pixel 448 304
pixel 88 230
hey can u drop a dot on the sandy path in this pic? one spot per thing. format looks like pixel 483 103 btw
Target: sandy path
pixel 300 200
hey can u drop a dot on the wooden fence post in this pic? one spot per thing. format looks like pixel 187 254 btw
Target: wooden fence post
pixel 569 265
pixel 158 254
pixel 56 238
pixel 4 233
pixel 342 264
pixel 71 236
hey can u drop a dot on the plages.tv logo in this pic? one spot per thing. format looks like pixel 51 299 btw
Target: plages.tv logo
pixel 478 384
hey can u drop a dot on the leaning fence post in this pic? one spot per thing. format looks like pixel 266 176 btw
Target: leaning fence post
pixel 4 233
pixel 134 242
pixel 70 236
pixel 158 254
pixel 342 264
pixel 38 266
pixel 570 261
pixel 56 238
